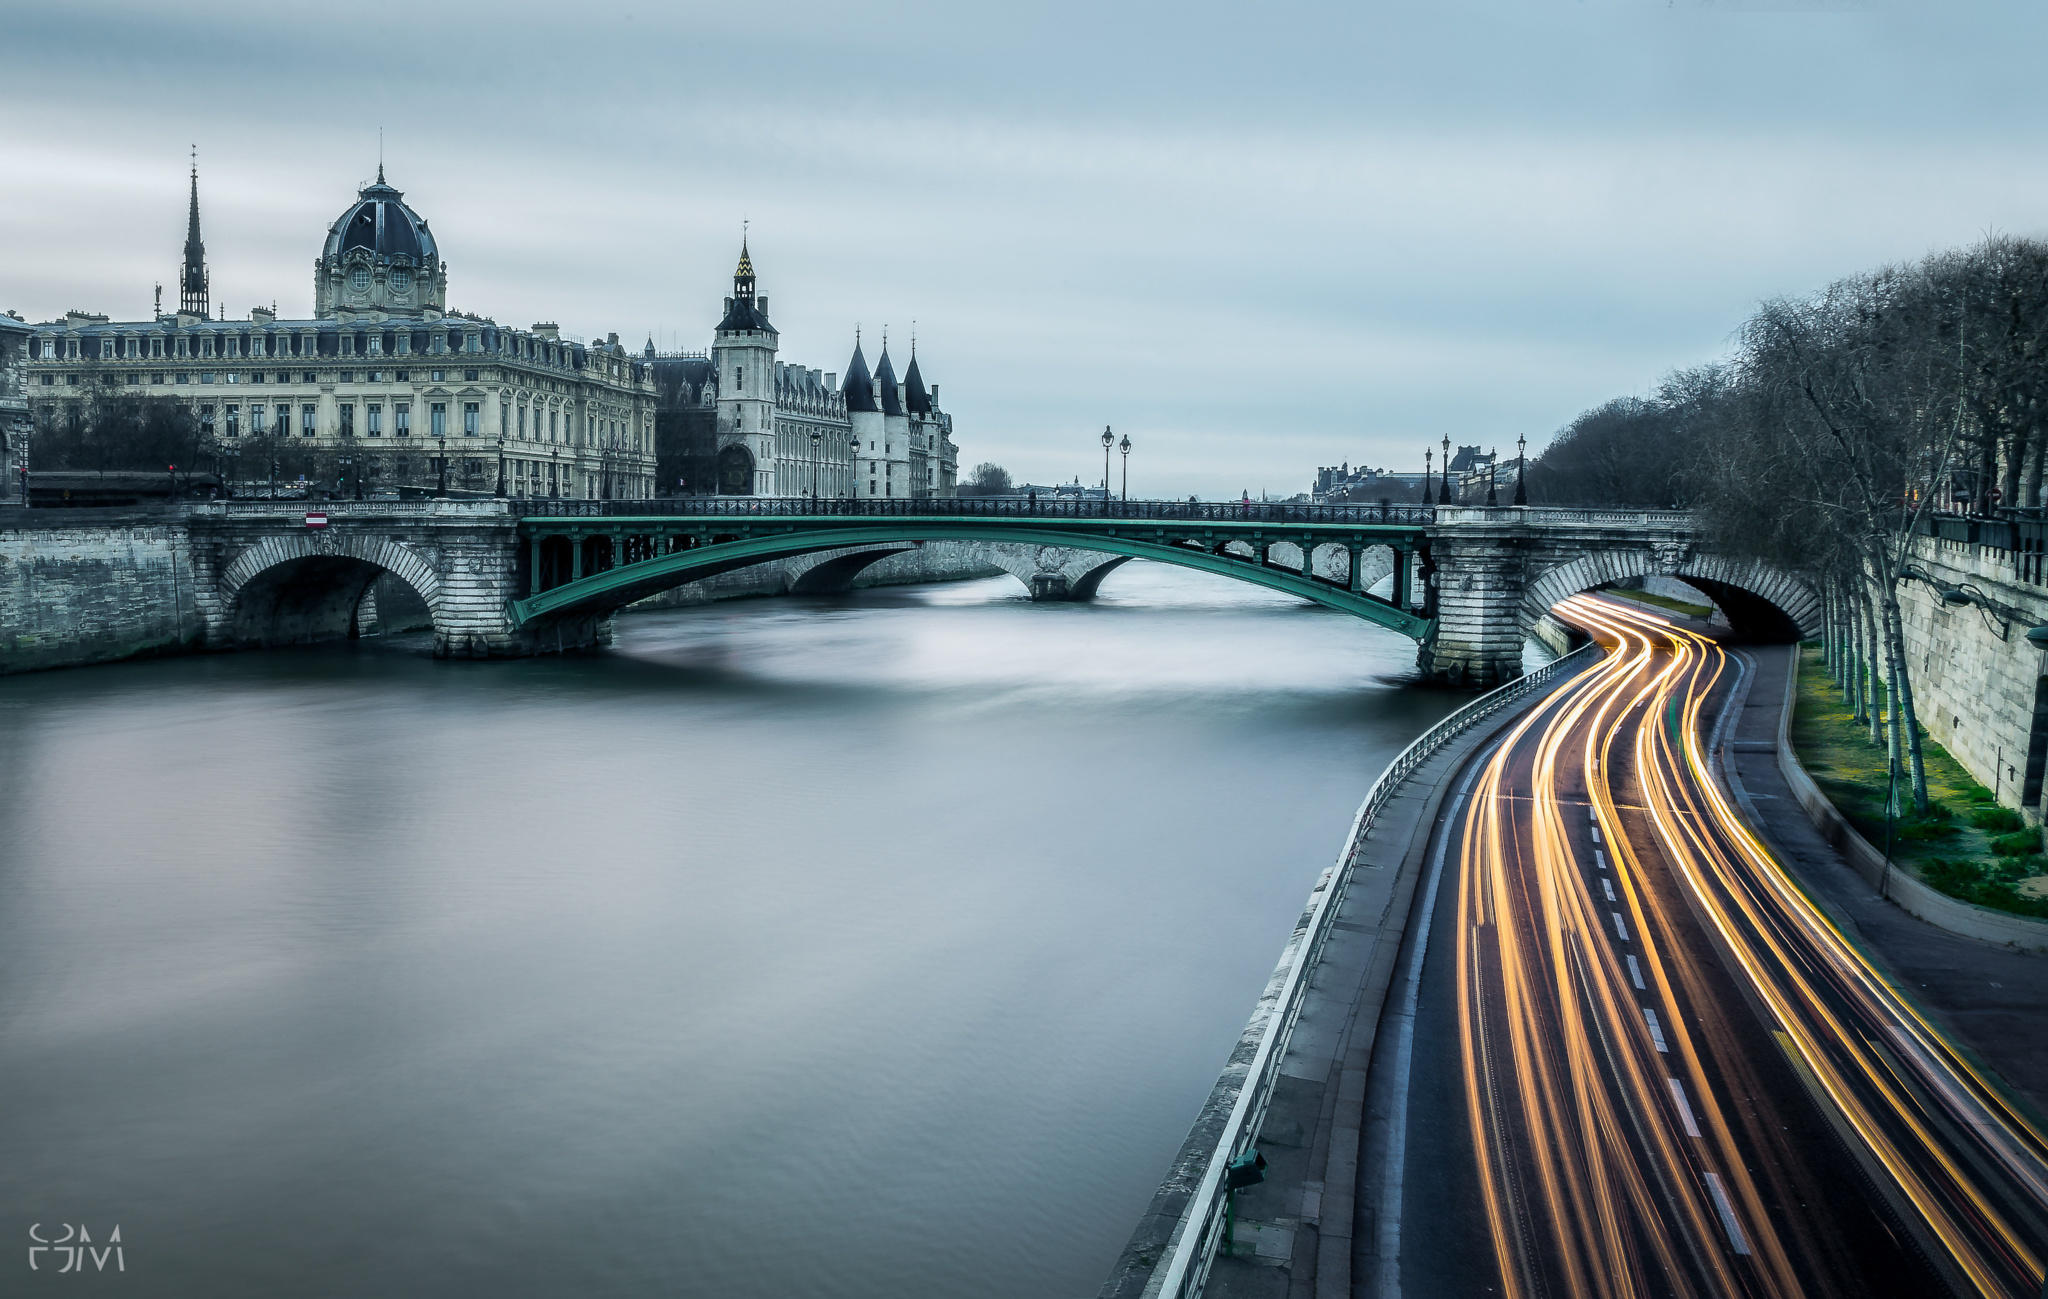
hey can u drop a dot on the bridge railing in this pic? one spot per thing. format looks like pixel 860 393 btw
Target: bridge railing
pixel 1563 516
pixel 1184 1269
pixel 981 507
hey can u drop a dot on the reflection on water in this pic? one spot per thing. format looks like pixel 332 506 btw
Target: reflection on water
pixel 866 947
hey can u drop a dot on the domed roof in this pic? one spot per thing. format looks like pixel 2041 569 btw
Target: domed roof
pixel 381 222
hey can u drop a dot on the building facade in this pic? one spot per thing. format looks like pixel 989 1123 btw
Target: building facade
pixel 15 336
pixel 736 421
pixel 383 383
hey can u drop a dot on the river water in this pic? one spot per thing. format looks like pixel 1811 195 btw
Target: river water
pixel 874 946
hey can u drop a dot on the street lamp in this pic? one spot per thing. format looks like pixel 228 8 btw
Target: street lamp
pixel 1108 440
pixel 1492 460
pixel 853 470
pixel 554 471
pixel 1125 447
pixel 1521 469
pixel 441 482
pixel 1428 457
pixel 273 478
pixel 501 464
pixel 1443 495
pixel 817 466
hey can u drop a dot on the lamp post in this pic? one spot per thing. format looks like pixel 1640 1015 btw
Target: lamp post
pixel 23 471
pixel 1428 457
pixel 1443 495
pixel 501 464
pixel 273 478
pixel 441 482
pixel 347 463
pixel 853 470
pixel 1125 447
pixel 817 466
pixel 1108 440
pixel 1521 469
pixel 555 472
pixel 1492 460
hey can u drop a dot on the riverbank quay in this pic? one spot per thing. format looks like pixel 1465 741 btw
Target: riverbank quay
pixel 1990 999
pixel 1293 1091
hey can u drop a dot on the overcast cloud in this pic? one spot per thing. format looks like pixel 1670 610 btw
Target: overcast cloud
pixel 1255 238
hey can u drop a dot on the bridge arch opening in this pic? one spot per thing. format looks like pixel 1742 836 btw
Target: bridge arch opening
pixel 311 599
pixel 1753 601
pixel 305 588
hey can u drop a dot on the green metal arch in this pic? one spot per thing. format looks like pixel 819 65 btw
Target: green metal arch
pixel 617 587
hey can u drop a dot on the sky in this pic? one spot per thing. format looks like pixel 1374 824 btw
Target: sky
pixel 1256 239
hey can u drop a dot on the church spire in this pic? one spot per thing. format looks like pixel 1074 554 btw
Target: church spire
pixel 743 274
pixel 192 278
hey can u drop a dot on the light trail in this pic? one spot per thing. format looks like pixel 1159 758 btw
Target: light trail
pixel 1680 1077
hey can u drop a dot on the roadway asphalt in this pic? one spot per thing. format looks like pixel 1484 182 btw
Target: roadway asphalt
pixel 1645 1063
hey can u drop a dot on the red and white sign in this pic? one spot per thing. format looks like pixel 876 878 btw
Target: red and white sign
pixel 316 520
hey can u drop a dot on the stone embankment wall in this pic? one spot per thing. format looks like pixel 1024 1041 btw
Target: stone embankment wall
pixel 81 586
pixel 1978 691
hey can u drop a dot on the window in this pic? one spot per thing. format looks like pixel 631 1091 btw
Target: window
pixel 469 375
pixel 373 419
pixel 376 345
pixel 440 376
pixel 739 382
pixel 551 425
pixel 206 419
pixel 257 377
pixel 256 414
pixel 184 377
pixel 401 280
pixel 373 376
pixel 403 465
pixel 156 378
pixel 473 468
pixel 359 279
pixel 472 419
pixel 206 376
pixel 284 419
pixel 402 412
pixel 522 417
pixel 309 377
pixel 401 375
pixel 348 419
pixel 309 419
pixel 49 380
pixel 437 419
pixel 346 376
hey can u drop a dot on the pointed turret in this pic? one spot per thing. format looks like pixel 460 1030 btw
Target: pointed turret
pixel 743 310
pixel 859 386
pixel 192 277
pixel 885 384
pixel 915 398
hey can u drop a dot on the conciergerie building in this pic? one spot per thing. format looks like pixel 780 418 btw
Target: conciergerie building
pixel 382 374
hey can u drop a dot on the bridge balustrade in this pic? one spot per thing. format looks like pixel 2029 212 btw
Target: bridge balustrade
pixel 981 507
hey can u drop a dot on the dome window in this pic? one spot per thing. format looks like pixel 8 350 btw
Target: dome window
pixel 401 280
pixel 359 279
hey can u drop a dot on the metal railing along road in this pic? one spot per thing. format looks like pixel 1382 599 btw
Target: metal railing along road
pixel 1185 1269
pixel 980 507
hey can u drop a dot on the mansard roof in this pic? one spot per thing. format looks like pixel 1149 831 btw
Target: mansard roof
pixel 885 385
pixel 859 386
pixel 744 313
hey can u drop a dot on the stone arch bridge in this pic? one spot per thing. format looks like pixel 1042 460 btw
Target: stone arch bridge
pixel 506 578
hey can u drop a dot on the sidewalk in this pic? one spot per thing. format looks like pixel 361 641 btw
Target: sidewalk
pixel 1992 1001
pixel 1294 1230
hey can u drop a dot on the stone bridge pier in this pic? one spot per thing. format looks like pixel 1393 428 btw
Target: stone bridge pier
pixel 1499 570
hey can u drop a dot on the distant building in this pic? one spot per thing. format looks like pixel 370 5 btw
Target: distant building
pixel 738 422
pixel 382 372
pixel 14 418
pixel 1342 484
